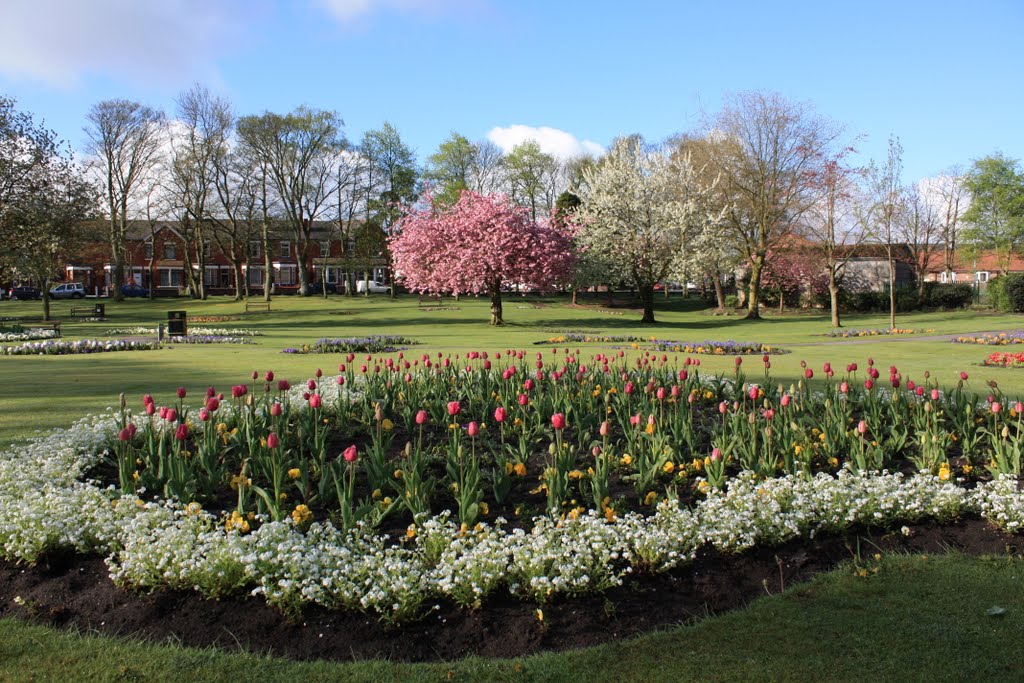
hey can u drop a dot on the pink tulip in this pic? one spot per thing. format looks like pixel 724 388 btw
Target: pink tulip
pixel 181 433
pixel 558 421
pixel 785 400
pixel 212 404
pixel 862 427
pixel 454 408
pixel 147 400
pixel 1018 407
pixel 868 384
pixel 935 395
pixel 181 392
pixel 314 401
pixel 124 435
pixel 422 417
pixel 996 407
pixel 963 376
pixel 473 429
pixel 683 374
pixel 808 373
pixel 150 408
pixel 276 409
pixel 499 414
pixel 722 407
pixel 523 400
pixel 844 388
pixel 171 415
pixel 204 414
pixel 660 393
pixel 604 429
pixel 752 393
pixel 210 392
pixel 350 454
pixel 716 454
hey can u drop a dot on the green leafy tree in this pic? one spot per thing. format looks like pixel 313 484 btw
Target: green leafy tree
pixel 995 218
pixel 531 176
pixel 450 169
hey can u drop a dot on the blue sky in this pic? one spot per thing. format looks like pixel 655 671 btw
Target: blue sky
pixel 946 77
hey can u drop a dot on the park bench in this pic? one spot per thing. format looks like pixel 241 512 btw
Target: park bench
pixel 83 311
pixel 43 325
pixel 263 306
pixel 430 300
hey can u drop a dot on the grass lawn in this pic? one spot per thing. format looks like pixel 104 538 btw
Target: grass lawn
pixel 913 619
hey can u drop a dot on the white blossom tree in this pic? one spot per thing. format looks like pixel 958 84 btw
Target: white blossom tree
pixel 639 205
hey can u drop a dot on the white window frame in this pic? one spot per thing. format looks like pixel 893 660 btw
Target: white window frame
pixel 981 276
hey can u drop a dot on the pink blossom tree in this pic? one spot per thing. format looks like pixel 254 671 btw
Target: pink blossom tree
pixel 477 246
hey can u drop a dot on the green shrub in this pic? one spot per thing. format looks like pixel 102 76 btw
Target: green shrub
pixel 1013 287
pixel 731 301
pixel 996 294
pixel 948 296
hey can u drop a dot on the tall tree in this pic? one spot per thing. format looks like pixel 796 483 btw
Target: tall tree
pixel 769 150
pixel 887 201
pixel 298 152
pixel 831 221
pixel 995 219
pixel 44 200
pixel 125 141
pixel 451 168
pixel 487 170
pixel 953 201
pixel 637 208
pixel 531 176
pixel 919 228
pixel 199 144
pixel 477 246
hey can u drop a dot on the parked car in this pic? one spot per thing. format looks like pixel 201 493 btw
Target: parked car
pixel 25 292
pixel 133 289
pixel 317 288
pixel 68 290
pixel 374 287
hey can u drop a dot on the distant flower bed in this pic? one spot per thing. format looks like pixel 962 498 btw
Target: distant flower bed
pixel 580 338
pixel 192 332
pixel 878 332
pixel 64 347
pixel 20 334
pixel 715 348
pixel 1000 339
pixel 375 343
pixel 1002 359
pixel 207 339
pixel 211 318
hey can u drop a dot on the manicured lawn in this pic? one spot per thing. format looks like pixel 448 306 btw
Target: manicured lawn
pixel 915 618
pixel 918 618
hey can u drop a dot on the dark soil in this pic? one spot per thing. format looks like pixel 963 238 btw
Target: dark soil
pixel 70 590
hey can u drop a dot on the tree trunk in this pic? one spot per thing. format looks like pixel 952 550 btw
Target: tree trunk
pixel 496 318
pixel 236 265
pixel 719 290
pixel 754 289
pixel 268 271
pixel 833 297
pixel 892 293
pixel 46 300
pixel 575 291
pixel 647 299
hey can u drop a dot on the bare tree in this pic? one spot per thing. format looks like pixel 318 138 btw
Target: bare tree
pixel 486 176
pixel 125 141
pixel 920 230
pixel 882 217
pixel 298 151
pixel 769 150
pixel 238 189
pixel 831 222
pixel 953 202
pixel 200 142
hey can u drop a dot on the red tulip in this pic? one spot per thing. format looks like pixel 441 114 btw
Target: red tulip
pixel 422 417
pixel 808 373
pixel 181 392
pixel 868 384
pixel 212 404
pixel 454 408
pixel 204 414
pixel 350 454
pixel 182 432
pixel 963 376
pixel 558 421
pixel 523 399
pixel 499 414
pixel 314 401
pixel 269 377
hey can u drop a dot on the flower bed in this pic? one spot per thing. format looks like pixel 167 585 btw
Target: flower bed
pixel 19 334
pixel 1003 359
pixel 998 339
pixel 65 347
pixel 584 338
pixel 192 331
pixel 877 332
pixel 382 490
pixel 383 343
pixel 715 348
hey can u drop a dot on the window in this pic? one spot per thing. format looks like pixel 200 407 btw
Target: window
pixel 286 248
pixel 255 248
pixel 981 276
pixel 207 249
pixel 255 276
pixel 171 277
pixel 147 250
pixel 287 275
pixel 351 247
pixel 170 251
pixel 325 248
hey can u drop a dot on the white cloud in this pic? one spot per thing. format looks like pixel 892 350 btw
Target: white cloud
pixel 59 42
pixel 349 11
pixel 553 141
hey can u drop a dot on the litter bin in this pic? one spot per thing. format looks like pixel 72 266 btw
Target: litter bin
pixel 100 311
pixel 177 324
